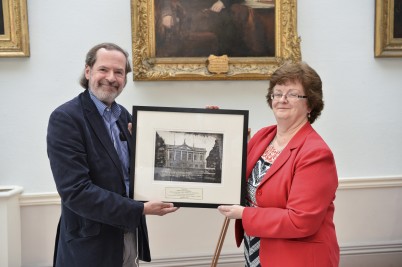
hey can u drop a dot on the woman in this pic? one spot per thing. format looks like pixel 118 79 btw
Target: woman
pixel 292 180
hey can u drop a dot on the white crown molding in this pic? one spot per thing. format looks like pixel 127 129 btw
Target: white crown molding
pixel 373 248
pixel 370 182
pixel 52 198
pixel 39 199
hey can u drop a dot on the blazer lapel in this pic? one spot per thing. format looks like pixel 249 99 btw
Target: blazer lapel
pixel 257 150
pixel 98 127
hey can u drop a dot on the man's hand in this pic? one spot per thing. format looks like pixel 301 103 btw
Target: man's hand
pixel 158 208
pixel 130 128
pixel 232 212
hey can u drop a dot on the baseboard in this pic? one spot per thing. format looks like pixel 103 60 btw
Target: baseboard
pixel 228 259
pixel 359 251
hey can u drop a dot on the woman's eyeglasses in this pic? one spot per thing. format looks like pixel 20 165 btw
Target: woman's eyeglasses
pixel 289 96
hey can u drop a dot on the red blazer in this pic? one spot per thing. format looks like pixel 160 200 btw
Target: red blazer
pixel 294 217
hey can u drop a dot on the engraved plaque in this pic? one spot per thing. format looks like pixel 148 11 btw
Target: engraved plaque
pixel 218 64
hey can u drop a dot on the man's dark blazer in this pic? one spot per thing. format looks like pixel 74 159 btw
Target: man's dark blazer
pixel 95 209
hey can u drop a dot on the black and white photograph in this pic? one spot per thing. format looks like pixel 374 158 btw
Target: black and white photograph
pixel 188 156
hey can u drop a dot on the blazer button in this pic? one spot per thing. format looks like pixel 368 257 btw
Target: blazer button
pixel 259 193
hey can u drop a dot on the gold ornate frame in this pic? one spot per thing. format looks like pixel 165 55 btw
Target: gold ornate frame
pixel 385 43
pixel 15 40
pixel 146 67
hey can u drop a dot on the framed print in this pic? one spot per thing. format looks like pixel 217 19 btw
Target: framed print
pixel 212 40
pixel 14 38
pixel 388 28
pixel 191 157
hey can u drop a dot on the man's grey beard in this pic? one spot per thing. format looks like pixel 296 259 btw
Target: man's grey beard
pixel 106 97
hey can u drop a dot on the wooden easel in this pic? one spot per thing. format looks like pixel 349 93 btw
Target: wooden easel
pixel 224 229
pixel 220 242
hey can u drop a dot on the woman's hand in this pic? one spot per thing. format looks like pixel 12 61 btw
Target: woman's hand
pixel 211 107
pixel 231 212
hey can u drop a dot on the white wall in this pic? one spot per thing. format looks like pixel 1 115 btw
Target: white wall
pixel 361 120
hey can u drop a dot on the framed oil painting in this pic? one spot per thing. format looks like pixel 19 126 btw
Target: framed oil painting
pixel 14 38
pixel 212 40
pixel 388 28
pixel 188 156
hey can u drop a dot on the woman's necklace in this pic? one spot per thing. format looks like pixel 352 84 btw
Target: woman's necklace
pixel 270 154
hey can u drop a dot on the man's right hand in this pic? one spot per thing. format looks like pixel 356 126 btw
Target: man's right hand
pixel 158 208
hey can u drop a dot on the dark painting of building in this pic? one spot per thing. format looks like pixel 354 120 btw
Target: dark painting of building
pixel 188 157
pixel 191 28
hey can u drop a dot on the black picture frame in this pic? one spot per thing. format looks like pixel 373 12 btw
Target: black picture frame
pixel 189 156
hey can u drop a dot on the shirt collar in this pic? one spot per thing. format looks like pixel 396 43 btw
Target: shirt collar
pixel 102 107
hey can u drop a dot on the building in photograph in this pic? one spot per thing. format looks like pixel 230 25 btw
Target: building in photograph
pixel 185 156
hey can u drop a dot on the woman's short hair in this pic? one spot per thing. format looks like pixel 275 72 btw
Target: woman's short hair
pixel 310 80
pixel 91 59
